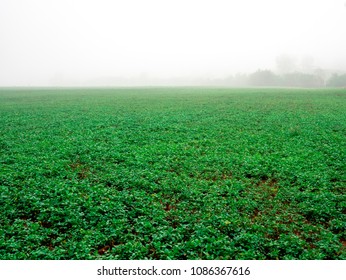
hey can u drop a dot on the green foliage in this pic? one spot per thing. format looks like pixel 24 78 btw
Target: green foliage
pixel 180 173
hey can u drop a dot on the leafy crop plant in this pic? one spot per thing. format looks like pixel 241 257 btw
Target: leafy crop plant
pixel 172 173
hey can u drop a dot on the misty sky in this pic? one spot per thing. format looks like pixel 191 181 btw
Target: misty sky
pixel 42 41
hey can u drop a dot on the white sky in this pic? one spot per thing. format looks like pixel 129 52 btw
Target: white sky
pixel 41 40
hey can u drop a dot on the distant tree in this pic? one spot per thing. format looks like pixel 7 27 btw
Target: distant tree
pixel 323 74
pixel 298 79
pixel 337 81
pixel 240 80
pixel 263 78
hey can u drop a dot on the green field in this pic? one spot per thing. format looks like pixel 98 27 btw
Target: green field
pixel 172 173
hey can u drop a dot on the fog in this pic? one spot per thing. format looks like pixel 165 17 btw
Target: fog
pixel 159 42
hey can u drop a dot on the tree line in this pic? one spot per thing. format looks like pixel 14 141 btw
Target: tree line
pixel 293 79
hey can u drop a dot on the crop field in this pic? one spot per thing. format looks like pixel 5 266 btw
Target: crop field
pixel 172 173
